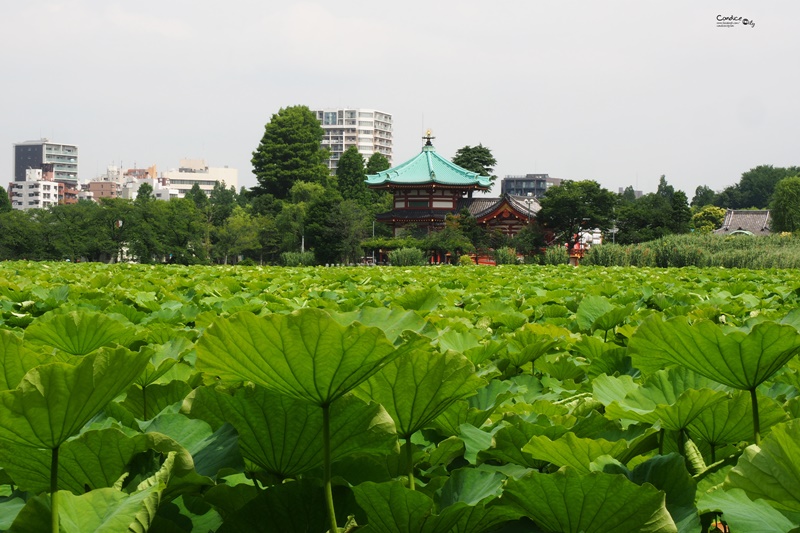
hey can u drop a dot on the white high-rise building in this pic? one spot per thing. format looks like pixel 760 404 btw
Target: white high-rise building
pixel 369 130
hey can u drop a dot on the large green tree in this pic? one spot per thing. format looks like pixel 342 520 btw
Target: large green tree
pixel 758 184
pixel 117 216
pixel 181 231
pixel 654 215
pixel 376 163
pixel 222 200
pixel 269 239
pixel 703 196
pixel 237 236
pixel 290 223
pixel 198 196
pixel 79 232
pixel 755 187
pixel 786 205
pixel 380 200
pixel 147 221
pixel 5 202
pixel 674 205
pixel 574 206
pixel 351 176
pixel 320 233
pixel 22 235
pixel 477 159
pixel 290 151
pixel 144 194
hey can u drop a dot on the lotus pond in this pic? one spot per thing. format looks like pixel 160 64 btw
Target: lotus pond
pixel 430 399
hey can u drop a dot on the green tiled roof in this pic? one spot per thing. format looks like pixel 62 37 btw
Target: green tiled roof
pixel 429 168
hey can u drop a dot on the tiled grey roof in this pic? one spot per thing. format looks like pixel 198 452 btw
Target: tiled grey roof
pixel 480 206
pixel 756 222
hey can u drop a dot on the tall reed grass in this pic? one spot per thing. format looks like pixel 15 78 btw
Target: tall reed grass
pixel 702 250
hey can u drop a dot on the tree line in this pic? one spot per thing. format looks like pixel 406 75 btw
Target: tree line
pixel 299 206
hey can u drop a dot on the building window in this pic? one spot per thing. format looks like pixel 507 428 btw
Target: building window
pixel 329 118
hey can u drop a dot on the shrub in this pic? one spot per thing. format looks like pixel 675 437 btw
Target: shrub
pixel 607 255
pixel 505 256
pixel 465 260
pixel 555 255
pixel 294 259
pixel 406 257
pixel 247 262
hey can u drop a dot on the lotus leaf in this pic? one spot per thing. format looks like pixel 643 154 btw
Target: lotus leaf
pixel 731 421
pixel 743 514
pixel 282 434
pixel 94 460
pixel 55 400
pixel 78 332
pixel 101 510
pixel 419 386
pixel 15 360
pixel 570 502
pixel 736 359
pixel 771 471
pixel 306 354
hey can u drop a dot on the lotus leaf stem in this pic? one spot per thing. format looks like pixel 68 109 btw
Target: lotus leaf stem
pixel 326 465
pixel 54 490
pixel 410 461
pixel 756 423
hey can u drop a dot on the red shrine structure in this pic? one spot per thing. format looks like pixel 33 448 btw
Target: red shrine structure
pixel 428 187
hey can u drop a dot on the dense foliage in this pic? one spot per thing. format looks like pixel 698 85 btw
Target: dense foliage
pixel 175 398
pixel 755 187
pixel 652 216
pixel 785 206
pixel 575 206
pixel 702 250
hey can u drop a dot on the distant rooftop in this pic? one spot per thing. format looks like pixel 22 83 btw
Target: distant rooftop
pixel 755 222
pixel 43 140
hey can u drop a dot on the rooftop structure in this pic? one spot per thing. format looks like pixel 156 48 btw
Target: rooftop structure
pixel 745 221
pixel 369 130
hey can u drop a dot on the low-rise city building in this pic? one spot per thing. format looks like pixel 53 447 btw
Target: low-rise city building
pixel 528 185
pixel 195 171
pixel 37 191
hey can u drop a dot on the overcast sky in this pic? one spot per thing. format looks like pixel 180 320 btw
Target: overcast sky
pixel 616 91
